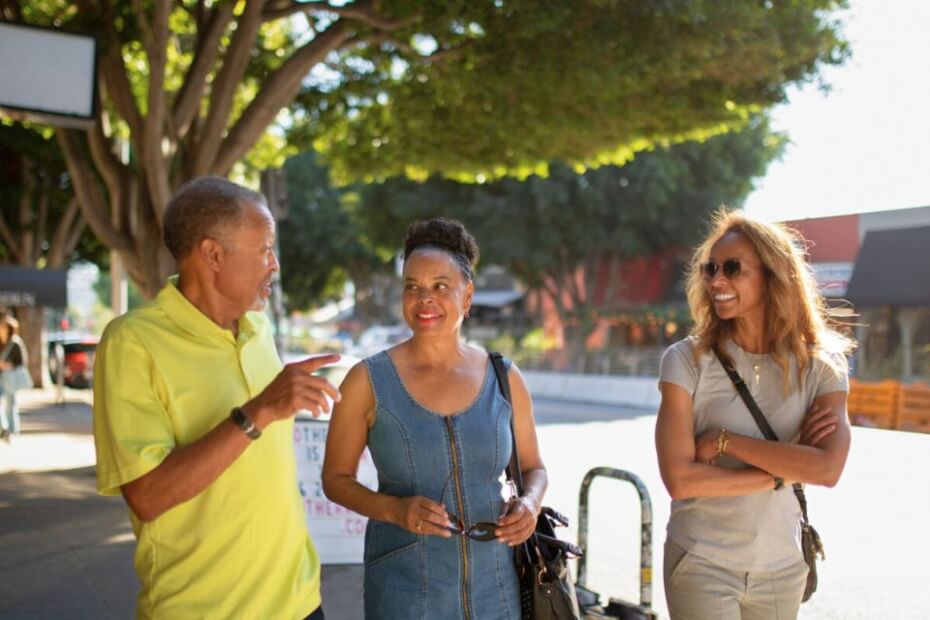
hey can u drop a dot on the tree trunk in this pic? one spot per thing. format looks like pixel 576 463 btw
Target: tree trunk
pixel 576 342
pixel 178 135
pixel 32 327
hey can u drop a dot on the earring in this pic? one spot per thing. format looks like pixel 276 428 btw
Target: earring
pixel 467 313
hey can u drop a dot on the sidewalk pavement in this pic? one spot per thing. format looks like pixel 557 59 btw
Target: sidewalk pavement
pixel 66 552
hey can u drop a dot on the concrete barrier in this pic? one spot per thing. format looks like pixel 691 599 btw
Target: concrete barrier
pixel 640 392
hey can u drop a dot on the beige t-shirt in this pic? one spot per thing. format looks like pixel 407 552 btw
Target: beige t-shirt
pixel 757 532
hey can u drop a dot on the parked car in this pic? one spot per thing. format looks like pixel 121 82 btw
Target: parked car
pixel 79 351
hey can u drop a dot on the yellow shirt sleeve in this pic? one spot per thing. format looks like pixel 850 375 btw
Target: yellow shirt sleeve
pixel 132 429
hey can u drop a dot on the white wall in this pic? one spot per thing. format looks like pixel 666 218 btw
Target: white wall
pixel 600 389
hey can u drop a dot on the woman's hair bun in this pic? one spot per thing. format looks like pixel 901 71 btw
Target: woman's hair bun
pixel 449 235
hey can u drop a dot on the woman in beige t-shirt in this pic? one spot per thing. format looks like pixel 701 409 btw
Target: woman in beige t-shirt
pixel 733 547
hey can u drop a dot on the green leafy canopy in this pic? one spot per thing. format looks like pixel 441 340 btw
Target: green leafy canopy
pixel 483 89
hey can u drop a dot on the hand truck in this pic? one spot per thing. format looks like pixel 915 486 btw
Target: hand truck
pixel 588 600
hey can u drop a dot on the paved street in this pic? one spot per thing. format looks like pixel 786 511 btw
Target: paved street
pixel 66 553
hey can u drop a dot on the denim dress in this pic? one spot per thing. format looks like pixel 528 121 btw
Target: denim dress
pixel 455 460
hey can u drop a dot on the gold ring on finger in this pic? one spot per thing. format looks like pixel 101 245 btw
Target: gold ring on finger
pixel 419 526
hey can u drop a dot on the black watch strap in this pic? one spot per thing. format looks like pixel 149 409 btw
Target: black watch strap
pixel 244 422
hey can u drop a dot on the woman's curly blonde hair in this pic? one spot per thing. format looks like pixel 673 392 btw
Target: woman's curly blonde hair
pixel 796 317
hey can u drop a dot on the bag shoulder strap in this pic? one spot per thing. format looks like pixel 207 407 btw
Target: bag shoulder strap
pixel 761 421
pixel 750 402
pixel 503 383
pixel 6 350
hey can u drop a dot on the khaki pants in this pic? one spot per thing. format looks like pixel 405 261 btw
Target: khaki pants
pixel 696 589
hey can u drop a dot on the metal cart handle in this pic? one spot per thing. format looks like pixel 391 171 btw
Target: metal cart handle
pixel 645 558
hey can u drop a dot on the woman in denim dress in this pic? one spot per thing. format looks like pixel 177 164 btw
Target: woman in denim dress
pixel 441 528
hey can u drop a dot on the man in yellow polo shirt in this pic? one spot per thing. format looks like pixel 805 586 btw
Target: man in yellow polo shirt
pixel 193 423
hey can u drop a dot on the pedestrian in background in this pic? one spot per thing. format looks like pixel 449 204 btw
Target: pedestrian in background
pixel 193 423
pixel 14 363
pixel 733 541
pixel 441 532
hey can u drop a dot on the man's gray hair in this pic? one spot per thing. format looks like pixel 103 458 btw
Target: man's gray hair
pixel 207 207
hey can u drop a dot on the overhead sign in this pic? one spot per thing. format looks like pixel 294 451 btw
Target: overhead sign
pixel 21 287
pixel 337 532
pixel 48 75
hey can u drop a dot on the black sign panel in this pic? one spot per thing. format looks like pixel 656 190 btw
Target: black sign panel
pixel 21 287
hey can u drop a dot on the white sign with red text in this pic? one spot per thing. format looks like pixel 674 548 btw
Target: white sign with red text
pixel 337 532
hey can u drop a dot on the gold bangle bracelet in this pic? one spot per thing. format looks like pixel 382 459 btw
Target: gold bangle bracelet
pixel 722 440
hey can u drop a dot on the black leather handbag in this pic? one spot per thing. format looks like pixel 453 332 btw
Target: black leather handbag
pixel 811 546
pixel 546 588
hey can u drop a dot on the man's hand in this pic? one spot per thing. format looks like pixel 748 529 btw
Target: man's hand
pixel 295 388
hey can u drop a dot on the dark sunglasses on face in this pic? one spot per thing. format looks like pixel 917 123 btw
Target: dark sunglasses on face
pixel 482 531
pixel 731 268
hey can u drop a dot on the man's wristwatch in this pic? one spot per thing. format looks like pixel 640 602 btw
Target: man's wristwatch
pixel 245 423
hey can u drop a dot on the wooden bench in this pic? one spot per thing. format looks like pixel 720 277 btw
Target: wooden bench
pixel 873 404
pixel 914 408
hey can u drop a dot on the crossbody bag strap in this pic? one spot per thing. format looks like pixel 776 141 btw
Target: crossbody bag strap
pixel 761 422
pixel 514 473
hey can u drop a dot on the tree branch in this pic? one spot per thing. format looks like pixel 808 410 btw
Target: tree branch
pixel 113 71
pixel 92 201
pixel 587 277
pixel 77 229
pixel 66 235
pixel 8 239
pixel 154 161
pixel 145 28
pixel 362 11
pixel 365 13
pixel 224 88
pixel 187 102
pixel 569 273
pixel 614 279
pixel 554 290
pixel 278 90
pixel 107 164
pixel 41 220
pixel 26 236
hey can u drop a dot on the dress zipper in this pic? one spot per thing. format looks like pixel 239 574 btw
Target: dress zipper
pixel 458 495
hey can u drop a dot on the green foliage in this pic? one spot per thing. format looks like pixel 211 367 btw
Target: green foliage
pixel 320 245
pixel 470 89
pixel 530 348
pixel 29 151
pixel 518 84
pixel 551 231
pixel 545 225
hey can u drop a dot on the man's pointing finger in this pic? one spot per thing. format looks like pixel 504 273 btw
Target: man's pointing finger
pixel 315 362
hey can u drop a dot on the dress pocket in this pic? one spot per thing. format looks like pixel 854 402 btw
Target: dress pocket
pixel 384 557
pixel 394 586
